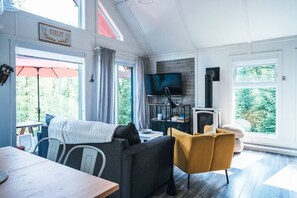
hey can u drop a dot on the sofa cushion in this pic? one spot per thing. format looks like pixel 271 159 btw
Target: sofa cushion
pixel 48 118
pixel 128 132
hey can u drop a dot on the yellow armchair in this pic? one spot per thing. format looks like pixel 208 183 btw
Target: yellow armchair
pixel 203 152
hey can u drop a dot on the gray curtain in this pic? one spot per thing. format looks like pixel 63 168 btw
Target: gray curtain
pixel 106 86
pixel 141 117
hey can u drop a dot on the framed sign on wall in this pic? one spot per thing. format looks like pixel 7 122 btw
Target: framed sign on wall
pixel 52 34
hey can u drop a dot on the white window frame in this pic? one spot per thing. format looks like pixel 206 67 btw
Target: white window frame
pixel 257 60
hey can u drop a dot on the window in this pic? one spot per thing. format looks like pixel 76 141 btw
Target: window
pixel 125 94
pixel 36 96
pixel 106 27
pixel 48 82
pixel 255 95
pixel 64 11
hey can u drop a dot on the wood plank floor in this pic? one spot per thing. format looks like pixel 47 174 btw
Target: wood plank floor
pixel 248 177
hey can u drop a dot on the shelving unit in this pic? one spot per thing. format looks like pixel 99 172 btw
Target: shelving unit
pixel 181 119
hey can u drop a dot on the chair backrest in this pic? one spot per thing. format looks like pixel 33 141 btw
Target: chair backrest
pixel 89 158
pixel 203 152
pixel 223 150
pixel 53 148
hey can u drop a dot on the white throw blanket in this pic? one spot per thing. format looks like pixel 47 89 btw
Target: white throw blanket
pixel 73 131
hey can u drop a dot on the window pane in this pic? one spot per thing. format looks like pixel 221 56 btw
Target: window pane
pixel 65 11
pixel 106 26
pixel 125 90
pixel 263 73
pixel 58 89
pixel 256 106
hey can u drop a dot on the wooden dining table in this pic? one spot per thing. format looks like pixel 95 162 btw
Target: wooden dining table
pixel 34 176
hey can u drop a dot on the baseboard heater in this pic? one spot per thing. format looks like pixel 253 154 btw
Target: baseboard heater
pixel 270 149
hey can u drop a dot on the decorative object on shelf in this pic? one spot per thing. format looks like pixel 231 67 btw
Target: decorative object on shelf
pixel 159 116
pixel 5 71
pixel 171 189
pixel 52 34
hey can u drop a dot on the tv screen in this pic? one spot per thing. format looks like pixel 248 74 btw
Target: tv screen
pixel 155 84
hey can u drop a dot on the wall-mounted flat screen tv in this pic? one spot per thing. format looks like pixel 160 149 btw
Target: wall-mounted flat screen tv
pixel 155 84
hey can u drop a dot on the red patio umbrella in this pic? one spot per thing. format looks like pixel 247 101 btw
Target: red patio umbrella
pixel 44 68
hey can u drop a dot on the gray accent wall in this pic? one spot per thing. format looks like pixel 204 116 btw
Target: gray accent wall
pixel 187 68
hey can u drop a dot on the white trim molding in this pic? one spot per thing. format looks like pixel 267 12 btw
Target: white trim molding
pixel 279 150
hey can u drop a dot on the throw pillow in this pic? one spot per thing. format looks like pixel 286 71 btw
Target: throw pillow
pixel 210 130
pixel 128 132
pixel 238 130
pixel 48 118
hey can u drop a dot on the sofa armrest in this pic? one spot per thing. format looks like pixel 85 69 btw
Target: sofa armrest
pixel 146 167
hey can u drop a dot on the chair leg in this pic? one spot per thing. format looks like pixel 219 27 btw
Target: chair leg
pixel 189 181
pixel 226 172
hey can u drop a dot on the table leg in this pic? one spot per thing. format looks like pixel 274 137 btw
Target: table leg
pixel 31 131
pixel 22 131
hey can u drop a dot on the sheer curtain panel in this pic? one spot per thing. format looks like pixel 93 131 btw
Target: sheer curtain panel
pixel 141 117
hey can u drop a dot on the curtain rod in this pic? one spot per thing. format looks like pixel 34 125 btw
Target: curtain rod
pixel 104 48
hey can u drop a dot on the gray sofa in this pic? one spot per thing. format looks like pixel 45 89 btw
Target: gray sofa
pixel 139 169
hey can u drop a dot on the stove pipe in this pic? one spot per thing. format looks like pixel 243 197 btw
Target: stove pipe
pixel 208 88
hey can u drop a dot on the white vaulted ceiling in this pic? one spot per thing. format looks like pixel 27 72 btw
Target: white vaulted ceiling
pixel 167 26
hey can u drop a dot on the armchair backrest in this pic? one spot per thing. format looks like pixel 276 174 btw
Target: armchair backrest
pixel 223 150
pixel 202 153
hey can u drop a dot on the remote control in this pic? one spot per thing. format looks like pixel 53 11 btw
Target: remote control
pixel 3 176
